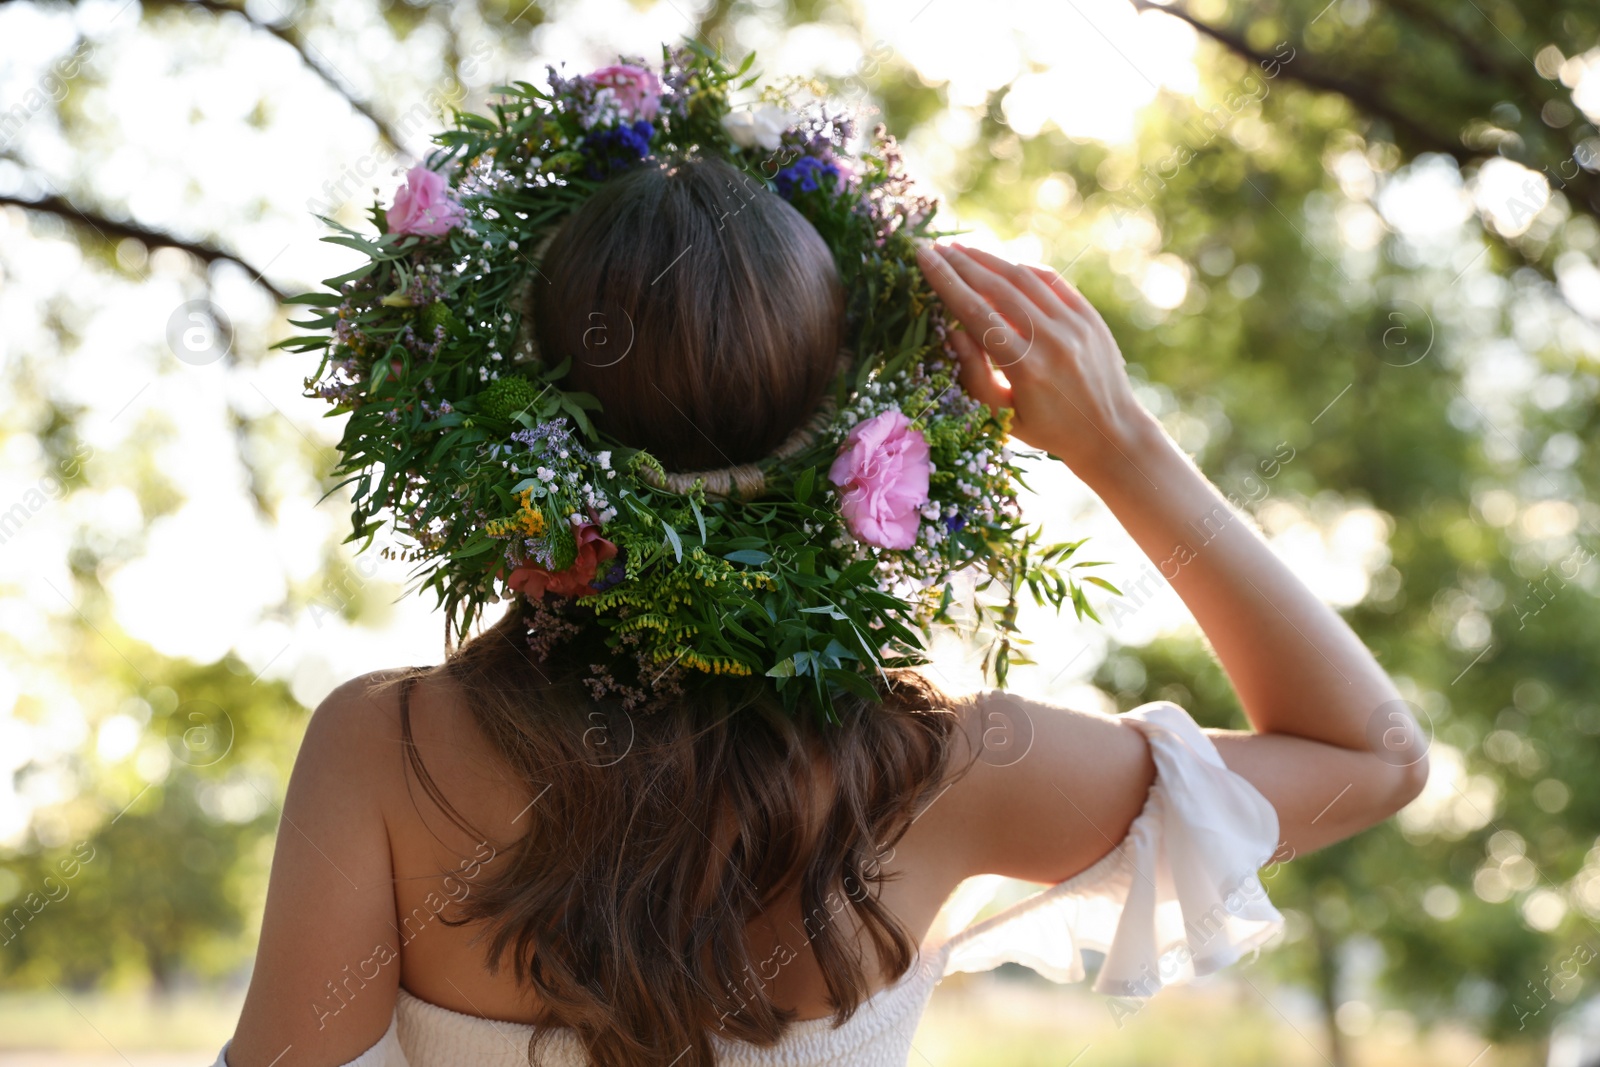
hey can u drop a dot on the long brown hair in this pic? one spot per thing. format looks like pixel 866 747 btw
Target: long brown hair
pixel 657 838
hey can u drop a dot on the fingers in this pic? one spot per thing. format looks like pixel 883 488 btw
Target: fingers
pixel 999 290
pixel 958 296
pixel 1033 282
pixel 977 376
pixel 989 312
pixel 1064 289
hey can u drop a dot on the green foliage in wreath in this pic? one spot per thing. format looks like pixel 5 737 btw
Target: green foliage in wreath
pixel 495 481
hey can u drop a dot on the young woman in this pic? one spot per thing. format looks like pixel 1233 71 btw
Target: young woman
pixel 482 861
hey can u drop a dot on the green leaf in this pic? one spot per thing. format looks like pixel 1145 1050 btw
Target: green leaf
pixel 672 537
pixel 359 244
pixel 360 272
pixel 753 556
pixel 738 630
pixel 857 572
pixel 790 666
pixel 803 484
pixel 1081 605
pixel 855 683
pixel 578 416
pixel 836 652
pixel 321 300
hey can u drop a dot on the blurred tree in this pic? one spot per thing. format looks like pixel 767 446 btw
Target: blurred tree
pixel 1329 362
pixel 1363 364
pixel 172 884
pixel 1474 83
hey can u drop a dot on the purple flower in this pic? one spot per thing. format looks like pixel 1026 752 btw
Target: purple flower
pixel 614 574
pixel 617 147
pixel 802 177
pixel 952 523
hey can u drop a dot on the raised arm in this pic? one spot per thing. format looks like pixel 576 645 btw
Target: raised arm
pixel 1336 749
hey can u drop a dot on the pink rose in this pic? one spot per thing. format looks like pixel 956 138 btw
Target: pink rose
pixel 535 581
pixel 883 468
pixel 637 90
pixel 424 205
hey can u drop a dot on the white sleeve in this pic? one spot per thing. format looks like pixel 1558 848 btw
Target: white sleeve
pixel 386 1053
pixel 1179 897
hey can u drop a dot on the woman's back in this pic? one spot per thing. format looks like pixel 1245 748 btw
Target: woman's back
pixel 433 856
pixel 1151 837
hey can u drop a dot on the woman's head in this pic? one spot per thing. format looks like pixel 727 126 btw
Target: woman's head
pixel 701 310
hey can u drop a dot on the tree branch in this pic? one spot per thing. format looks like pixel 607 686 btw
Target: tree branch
pixel 1527 80
pixel 1484 59
pixel 1581 189
pixel 1425 139
pixel 112 230
pixel 309 54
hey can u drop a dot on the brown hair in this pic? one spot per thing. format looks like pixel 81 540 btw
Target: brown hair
pixel 700 308
pixel 625 905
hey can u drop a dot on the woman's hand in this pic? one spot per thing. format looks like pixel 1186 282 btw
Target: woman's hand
pixel 1065 378
pixel 1347 751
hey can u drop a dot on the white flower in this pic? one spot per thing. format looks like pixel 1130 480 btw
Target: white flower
pixel 764 126
pixel 605 460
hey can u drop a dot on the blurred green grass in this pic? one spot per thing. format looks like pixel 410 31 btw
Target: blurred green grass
pixel 977 1019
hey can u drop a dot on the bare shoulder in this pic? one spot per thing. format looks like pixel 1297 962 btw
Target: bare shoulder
pixel 352 751
pixel 355 721
pixel 429 765
pixel 1046 790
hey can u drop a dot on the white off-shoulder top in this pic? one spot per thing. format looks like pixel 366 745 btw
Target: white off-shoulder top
pixel 1179 897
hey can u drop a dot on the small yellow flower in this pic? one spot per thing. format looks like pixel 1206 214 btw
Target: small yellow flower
pixel 528 521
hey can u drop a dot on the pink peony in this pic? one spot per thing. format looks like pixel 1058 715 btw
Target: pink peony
pixel 424 205
pixel 535 581
pixel 637 90
pixel 883 468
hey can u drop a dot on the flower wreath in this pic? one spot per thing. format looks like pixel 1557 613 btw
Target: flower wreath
pixel 816 567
